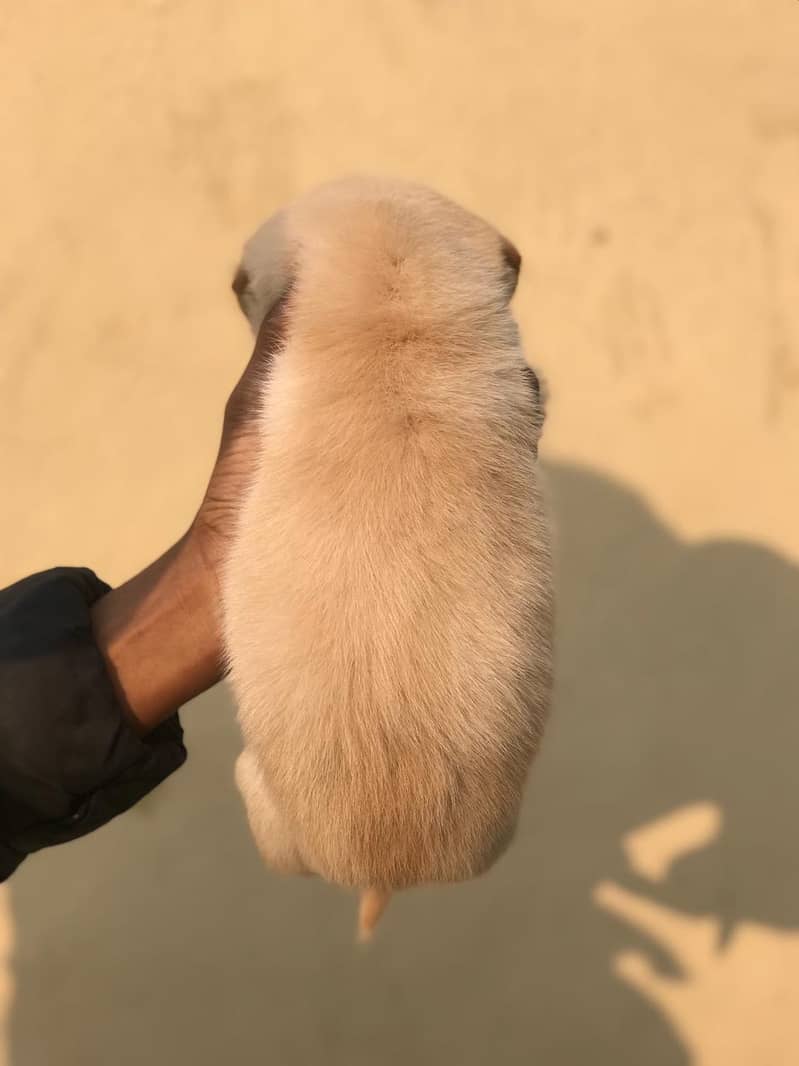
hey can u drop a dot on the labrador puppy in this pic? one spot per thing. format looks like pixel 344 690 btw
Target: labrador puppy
pixel 388 597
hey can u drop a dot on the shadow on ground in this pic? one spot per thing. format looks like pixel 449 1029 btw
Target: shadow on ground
pixel 162 940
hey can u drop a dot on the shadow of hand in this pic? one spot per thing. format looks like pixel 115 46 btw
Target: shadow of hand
pixel 734 1003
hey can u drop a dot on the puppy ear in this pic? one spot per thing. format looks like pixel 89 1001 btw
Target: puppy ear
pixel 511 257
pixel 540 395
pixel 241 281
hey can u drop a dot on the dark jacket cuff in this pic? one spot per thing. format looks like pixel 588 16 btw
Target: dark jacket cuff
pixel 70 760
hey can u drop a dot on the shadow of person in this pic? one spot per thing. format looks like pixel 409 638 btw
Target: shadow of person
pixel 162 940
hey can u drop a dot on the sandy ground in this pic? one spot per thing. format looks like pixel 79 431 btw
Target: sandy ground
pixel 645 158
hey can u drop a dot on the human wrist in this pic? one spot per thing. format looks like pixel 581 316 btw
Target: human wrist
pixel 159 632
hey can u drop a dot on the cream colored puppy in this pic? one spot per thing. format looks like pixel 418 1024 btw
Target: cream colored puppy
pixel 387 601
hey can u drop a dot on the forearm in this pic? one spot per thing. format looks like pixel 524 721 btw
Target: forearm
pixel 71 759
pixel 159 636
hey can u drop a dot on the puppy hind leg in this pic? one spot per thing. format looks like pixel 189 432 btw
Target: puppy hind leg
pixel 273 837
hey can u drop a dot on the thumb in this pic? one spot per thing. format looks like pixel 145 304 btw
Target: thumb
pixel 243 402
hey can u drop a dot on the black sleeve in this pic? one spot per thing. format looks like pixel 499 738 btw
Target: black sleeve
pixel 69 759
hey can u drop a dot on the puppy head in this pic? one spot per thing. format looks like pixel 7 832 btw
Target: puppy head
pixel 378 239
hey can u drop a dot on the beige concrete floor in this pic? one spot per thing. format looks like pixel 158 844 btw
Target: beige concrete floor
pixel 645 157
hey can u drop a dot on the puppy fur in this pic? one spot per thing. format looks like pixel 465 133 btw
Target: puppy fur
pixel 387 601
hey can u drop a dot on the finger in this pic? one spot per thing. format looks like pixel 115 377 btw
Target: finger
pixel 692 941
pixel 272 329
pixel 636 970
pixel 243 400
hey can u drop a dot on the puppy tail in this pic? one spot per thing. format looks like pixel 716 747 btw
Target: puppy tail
pixel 373 902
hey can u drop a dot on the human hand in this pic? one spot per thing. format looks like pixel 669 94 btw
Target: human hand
pixel 159 633
pixel 214 524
